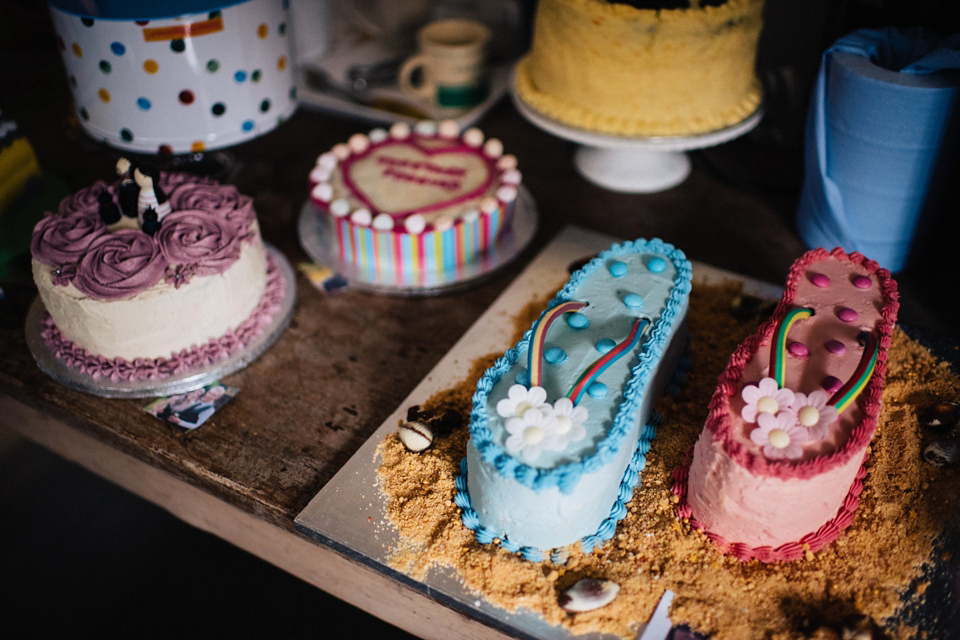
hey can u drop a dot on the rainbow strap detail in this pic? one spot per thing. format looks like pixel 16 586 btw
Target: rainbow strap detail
pixel 777 360
pixel 537 340
pixel 639 329
pixel 846 394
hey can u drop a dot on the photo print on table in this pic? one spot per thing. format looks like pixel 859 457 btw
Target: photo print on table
pixel 191 409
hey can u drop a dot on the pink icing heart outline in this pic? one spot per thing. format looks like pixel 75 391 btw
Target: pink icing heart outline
pixel 358 193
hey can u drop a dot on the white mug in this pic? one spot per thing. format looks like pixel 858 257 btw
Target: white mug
pixel 452 61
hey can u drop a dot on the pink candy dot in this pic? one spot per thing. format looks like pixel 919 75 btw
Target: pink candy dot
pixel 831 384
pixel 846 314
pixel 836 347
pixel 861 282
pixel 821 280
pixel 798 349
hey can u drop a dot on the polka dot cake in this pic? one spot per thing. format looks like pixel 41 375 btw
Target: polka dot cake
pixel 414 202
pixel 779 467
pixel 562 422
pixel 178 84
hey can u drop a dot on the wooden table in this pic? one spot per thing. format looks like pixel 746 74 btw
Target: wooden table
pixel 347 361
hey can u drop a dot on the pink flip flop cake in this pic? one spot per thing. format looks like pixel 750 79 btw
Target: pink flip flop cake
pixel 779 466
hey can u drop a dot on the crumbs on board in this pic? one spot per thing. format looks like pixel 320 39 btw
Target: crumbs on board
pixel 872 568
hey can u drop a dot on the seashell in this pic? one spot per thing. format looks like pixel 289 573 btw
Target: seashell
pixel 944 450
pixel 940 416
pixel 589 594
pixel 415 436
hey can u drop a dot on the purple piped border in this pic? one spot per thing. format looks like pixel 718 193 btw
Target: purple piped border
pixel 120 369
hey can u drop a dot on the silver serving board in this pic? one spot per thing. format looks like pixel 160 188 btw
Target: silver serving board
pixel 181 383
pixel 338 515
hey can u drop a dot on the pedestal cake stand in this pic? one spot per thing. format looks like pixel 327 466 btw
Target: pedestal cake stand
pixel 633 164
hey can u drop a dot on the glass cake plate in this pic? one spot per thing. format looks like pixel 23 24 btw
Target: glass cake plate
pixel 633 164
pixel 316 240
pixel 180 383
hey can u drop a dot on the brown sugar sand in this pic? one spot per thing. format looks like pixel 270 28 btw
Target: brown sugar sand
pixel 906 503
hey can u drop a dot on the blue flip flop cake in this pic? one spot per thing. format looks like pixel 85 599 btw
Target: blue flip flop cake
pixel 559 426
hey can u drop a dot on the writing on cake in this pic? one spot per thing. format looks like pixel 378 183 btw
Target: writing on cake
pixel 424 173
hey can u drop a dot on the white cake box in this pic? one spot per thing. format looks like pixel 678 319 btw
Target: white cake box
pixel 177 76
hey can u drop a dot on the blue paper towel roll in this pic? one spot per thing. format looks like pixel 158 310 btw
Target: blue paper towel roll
pixel 882 127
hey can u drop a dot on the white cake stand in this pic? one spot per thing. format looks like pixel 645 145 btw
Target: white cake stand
pixel 633 164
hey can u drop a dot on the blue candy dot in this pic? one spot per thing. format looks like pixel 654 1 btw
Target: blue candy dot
pixel 118 48
pixel 523 377
pixel 554 355
pixel 604 345
pixel 240 76
pixel 633 300
pixel 618 269
pixel 143 103
pixel 597 390
pixel 578 320
pixel 657 265
pixel 247 125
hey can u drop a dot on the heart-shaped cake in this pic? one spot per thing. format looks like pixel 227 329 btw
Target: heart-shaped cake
pixel 420 175
pixel 415 202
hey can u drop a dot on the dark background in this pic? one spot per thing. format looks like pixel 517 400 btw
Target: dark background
pixel 79 556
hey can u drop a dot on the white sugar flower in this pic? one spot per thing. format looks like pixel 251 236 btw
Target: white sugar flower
pixel 570 421
pixel 780 435
pixel 814 413
pixel 765 397
pixel 529 435
pixel 519 400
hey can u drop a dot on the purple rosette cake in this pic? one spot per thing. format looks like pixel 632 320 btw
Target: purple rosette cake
pixel 152 275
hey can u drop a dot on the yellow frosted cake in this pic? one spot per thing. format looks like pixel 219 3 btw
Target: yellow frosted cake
pixel 613 68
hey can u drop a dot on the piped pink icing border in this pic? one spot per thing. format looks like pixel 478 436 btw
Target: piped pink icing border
pixel 718 421
pixel 813 541
pixel 120 369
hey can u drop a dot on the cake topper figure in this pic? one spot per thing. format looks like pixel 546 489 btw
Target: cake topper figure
pixel 129 190
pixel 107 208
pixel 152 202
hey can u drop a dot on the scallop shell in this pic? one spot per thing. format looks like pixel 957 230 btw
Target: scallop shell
pixel 944 450
pixel 415 436
pixel 589 594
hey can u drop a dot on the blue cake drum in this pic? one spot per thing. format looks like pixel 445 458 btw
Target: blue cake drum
pixel 559 426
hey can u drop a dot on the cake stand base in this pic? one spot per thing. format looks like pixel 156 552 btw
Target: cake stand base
pixel 632 170
pixel 632 164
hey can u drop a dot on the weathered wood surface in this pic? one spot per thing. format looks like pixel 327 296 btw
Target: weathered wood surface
pixel 347 360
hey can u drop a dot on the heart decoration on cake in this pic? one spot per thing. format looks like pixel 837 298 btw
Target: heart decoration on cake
pixel 403 177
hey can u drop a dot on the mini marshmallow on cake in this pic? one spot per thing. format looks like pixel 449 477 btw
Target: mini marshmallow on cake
pixel 415 201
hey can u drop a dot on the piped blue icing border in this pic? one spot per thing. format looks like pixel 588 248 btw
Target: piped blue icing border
pixel 607 528
pixel 565 477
